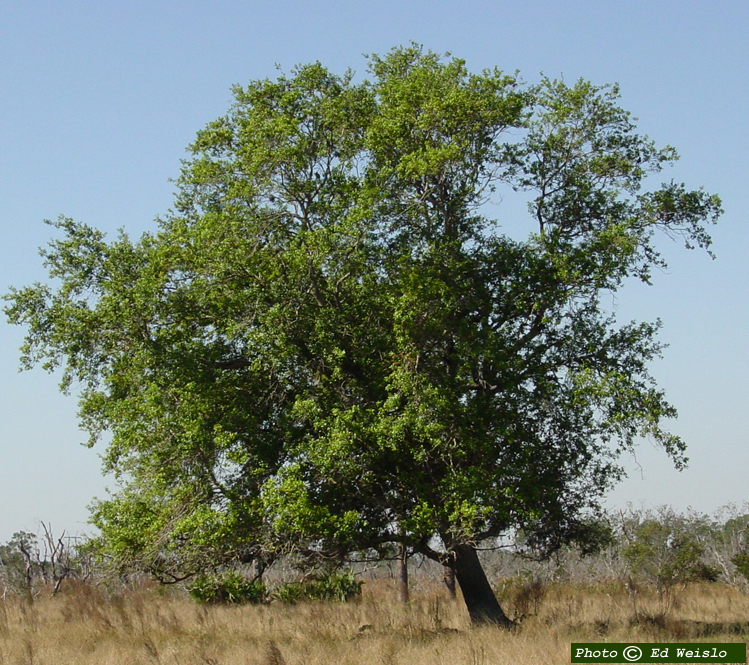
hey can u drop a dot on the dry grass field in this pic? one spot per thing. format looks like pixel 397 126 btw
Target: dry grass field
pixel 87 626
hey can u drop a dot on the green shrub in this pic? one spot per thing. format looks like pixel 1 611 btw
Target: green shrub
pixel 289 593
pixel 667 552
pixel 741 561
pixel 228 587
pixel 336 587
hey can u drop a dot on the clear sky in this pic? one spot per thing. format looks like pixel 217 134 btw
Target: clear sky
pixel 98 101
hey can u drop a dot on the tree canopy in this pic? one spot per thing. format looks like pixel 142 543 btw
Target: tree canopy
pixel 330 344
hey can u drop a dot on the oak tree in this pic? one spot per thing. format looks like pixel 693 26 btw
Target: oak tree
pixel 331 344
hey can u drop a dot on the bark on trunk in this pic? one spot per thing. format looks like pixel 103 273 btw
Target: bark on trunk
pixel 403 574
pixel 449 580
pixel 479 598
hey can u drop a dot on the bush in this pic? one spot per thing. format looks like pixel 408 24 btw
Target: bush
pixel 335 586
pixel 229 587
pixel 527 594
pixel 741 561
pixel 289 593
pixel 668 550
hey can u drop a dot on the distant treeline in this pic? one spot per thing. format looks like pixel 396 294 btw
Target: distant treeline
pixel 658 549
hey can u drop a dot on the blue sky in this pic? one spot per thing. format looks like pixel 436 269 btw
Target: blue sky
pixel 98 101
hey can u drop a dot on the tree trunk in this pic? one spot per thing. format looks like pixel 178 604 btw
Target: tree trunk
pixel 480 600
pixel 449 580
pixel 403 574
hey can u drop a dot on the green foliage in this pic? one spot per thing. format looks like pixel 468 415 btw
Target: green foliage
pixel 229 587
pixel 17 561
pixel 668 549
pixel 329 344
pixel 741 561
pixel 340 586
pixel 289 593
pixel 139 532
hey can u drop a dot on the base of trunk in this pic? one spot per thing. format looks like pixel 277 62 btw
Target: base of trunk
pixel 479 598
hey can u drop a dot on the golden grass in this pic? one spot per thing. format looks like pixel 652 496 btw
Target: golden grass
pixel 85 626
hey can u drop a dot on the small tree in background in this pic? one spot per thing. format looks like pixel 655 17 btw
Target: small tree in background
pixel 667 550
pixel 18 562
pixel 729 545
pixel 28 562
